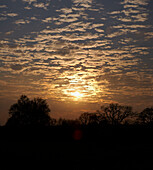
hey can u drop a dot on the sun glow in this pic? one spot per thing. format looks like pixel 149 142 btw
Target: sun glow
pixel 76 94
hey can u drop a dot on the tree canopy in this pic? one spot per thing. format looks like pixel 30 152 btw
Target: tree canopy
pixel 28 112
pixel 146 116
pixel 112 114
pixel 35 112
pixel 90 118
pixel 115 113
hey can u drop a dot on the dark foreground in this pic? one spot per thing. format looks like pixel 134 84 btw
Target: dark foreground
pixel 77 148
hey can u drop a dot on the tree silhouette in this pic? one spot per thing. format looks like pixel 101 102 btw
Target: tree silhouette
pixel 90 118
pixel 67 122
pixel 116 114
pixel 146 116
pixel 28 112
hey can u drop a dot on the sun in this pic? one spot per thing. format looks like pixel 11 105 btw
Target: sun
pixel 76 94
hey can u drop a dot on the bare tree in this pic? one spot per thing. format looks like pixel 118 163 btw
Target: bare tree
pixel 115 113
pixel 90 118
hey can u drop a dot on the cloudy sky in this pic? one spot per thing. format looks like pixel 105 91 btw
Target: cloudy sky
pixel 77 54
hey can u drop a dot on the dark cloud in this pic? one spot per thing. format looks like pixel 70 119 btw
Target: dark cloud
pixel 63 51
pixel 17 67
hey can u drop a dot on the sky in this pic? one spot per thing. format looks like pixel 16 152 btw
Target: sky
pixel 76 54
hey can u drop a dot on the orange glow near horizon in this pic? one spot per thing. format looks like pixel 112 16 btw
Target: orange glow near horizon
pixel 80 89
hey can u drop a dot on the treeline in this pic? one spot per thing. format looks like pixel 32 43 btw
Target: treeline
pixel 114 137
pixel 35 112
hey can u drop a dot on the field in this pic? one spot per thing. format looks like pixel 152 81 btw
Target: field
pixel 58 148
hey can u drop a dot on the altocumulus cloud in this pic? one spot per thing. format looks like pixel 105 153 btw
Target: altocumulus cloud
pixel 55 48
